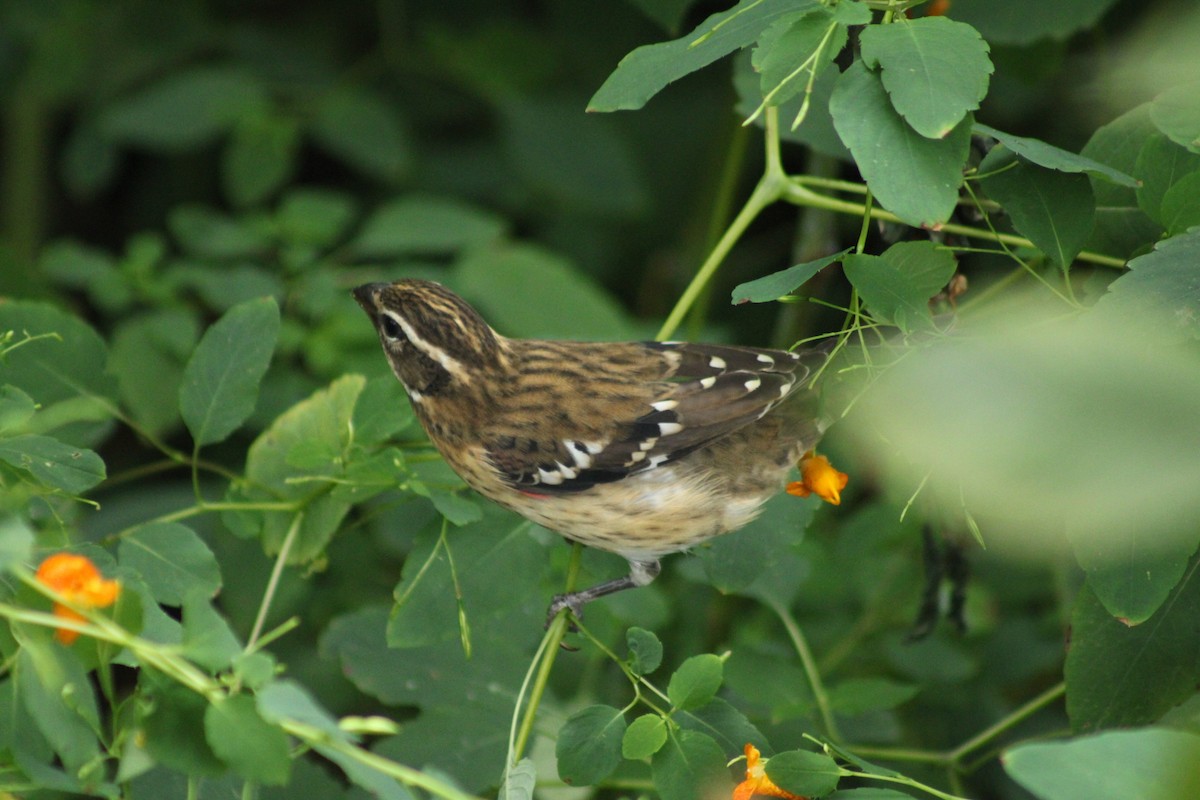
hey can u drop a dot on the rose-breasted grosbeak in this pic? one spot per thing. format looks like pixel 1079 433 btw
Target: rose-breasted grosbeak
pixel 637 448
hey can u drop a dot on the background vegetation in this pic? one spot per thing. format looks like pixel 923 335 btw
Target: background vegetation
pixel 312 605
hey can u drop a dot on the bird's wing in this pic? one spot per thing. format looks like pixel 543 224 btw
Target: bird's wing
pixel 651 403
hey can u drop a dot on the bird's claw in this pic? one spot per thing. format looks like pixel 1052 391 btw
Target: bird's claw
pixel 570 601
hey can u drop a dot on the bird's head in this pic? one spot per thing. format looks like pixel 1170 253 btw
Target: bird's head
pixel 436 343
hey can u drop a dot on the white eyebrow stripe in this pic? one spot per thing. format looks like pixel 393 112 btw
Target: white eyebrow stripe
pixel 450 364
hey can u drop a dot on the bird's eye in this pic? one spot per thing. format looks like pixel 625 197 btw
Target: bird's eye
pixel 391 328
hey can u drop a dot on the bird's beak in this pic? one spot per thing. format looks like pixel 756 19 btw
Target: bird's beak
pixel 367 296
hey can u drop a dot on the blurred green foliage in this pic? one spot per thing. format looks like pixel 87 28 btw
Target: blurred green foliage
pixel 314 606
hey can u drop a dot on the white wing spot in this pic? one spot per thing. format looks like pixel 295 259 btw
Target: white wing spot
pixel 716 362
pixel 594 447
pixel 551 477
pixel 708 382
pixel 783 390
pixel 765 359
pixel 581 458
pixel 664 405
pixel 648 443
pixel 658 459
pixel 752 384
pixel 637 456
pixel 567 472
pixel 668 428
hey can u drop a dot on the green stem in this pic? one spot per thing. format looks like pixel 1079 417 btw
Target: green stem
pixel 551 642
pixel 273 582
pixel 797 194
pixel 319 739
pixel 903 781
pixel 810 669
pixel 1011 720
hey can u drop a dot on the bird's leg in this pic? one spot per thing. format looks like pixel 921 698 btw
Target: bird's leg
pixel 640 574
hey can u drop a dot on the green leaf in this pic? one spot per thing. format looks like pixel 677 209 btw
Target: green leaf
pixel 505 283
pixel 185 110
pixel 53 463
pixel 792 55
pixel 1181 205
pixel 645 650
pixel 259 158
pixel 644 737
pixel 1051 157
pixel 935 70
pixel 897 285
pixel 485 555
pixel 761 561
pixel 1160 286
pixel 1120 676
pixel 689 766
pixel 382 411
pixel 321 420
pixel 1177 114
pixel 457 509
pixel 174 728
pixel 860 695
pixel 777 284
pixel 148 356
pixel 1034 444
pixel 725 724
pixel 285 699
pixel 648 69
pixel 435 676
pixel 1122 229
pixel 519 781
pixel 172 560
pixel 364 132
pixel 210 234
pixel 803 772
pixel 16 542
pixel 1053 210
pixel 1150 764
pixel 220 382
pixel 696 681
pixel 915 178
pixel 16 408
pixel 873 793
pixel 816 130
pixel 69 361
pixel 589 745
pixel 207 637
pixel 224 286
pixel 425 225
pixel 316 217
pixel 1022 22
pixel 55 690
pixel 253 748
pixel 1160 165
pixel 1131 572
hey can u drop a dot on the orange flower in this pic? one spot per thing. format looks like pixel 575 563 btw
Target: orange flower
pixel 757 782
pixel 76 578
pixel 818 476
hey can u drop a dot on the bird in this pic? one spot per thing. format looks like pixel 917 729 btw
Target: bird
pixel 637 448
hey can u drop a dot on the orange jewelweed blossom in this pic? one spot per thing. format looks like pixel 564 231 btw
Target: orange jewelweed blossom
pixel 757 782
pixel 818 476
pixel 76 578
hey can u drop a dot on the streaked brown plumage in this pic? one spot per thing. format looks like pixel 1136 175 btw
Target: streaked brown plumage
pixel 638 448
